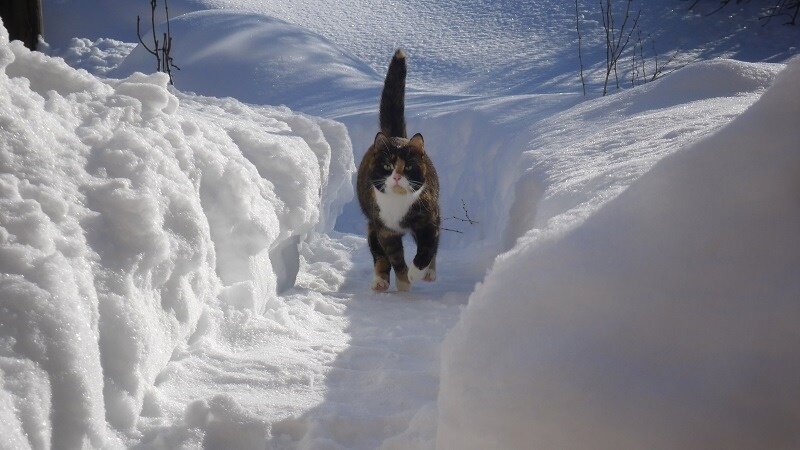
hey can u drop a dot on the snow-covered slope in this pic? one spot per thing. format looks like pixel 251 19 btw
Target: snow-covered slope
pixel 666 319
pixel 262 60
pixel 467 46
pixel 131 215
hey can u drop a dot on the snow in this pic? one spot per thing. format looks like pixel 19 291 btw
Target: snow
pixel 186 267
pixel 131 215
pixel 665 319
pixel 464 46
pixel 262 60
pixel 99 56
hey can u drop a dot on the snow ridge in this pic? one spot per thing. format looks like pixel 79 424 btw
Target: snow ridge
pixel 664 318
pixel 132 216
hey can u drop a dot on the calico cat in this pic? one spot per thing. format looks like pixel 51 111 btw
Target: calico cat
pixel 398 191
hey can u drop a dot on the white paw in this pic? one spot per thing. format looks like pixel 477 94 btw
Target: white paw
pixel 415 274
pixel 379 284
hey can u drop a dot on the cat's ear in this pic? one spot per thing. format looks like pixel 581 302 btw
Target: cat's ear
pixel 380 140
pixel 417 144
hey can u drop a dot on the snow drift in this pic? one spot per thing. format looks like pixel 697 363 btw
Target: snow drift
pixel 666 319
pixel 128 211
pixel 263 60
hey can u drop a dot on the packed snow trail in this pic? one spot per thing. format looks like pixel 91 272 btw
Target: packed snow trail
pixel 387 379
pixel 334 365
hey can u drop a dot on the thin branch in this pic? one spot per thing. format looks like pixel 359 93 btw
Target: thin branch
pixel 466 218
pixel 161 50
pixel 580 55
pixel 660 70
pixel 641 57
pixel 723 3
pixel 607 28
pixel 153 27
pixel 450 229
pixel 139 35
pixel 615 46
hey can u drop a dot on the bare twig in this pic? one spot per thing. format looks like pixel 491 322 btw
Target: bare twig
pixel 139 34
pixel 615 45
pixel 607 27
pixel 787 8
pixel 450 229
pixel 626 41
pixel 660 69
pixel 641 57
pixel 168 61
pixel 782 8
pixel 722 4
pixel 580 39
pixel 466 218
pixel 153 28
pixel 161 50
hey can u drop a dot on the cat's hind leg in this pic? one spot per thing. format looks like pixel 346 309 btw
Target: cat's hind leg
pixel 381 265
pixel 392 244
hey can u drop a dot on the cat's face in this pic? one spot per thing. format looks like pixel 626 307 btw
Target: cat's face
pixel 399 167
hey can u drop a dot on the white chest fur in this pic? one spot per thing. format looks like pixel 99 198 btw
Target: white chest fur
pixel 393 206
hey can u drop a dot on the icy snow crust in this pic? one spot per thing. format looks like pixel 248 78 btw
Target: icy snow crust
pixel 131 217
pixel 665 319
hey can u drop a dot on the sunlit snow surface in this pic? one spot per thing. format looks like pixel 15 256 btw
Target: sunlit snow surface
pixel 254 362
pixel 131 217
pixel 467 46
pixel 667 319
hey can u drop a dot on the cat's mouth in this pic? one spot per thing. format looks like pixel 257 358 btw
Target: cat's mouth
pixel 397 189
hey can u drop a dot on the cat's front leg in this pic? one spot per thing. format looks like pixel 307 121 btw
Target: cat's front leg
pixel 423 268
pixel 428 273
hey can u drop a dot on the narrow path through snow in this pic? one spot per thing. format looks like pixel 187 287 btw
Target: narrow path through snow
pixel 329 365
pixel 389 372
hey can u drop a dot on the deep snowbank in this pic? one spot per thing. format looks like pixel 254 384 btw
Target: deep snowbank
pixel 577 160
pixel 667 319
pixel 127 213
pixel 261 59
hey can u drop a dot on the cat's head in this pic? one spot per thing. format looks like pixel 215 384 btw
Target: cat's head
pixel 399 166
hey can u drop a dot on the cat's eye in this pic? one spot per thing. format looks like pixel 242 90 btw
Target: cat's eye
pixel 409 166
pixel 387 166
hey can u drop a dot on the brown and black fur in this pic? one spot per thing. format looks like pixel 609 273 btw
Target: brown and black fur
pixel 391 144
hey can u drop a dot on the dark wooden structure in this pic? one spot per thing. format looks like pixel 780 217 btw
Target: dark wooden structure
pixel 23 20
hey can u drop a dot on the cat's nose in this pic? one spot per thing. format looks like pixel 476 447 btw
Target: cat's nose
pixel 396 176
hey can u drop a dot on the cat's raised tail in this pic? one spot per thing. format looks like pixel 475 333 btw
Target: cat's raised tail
pixel 392 109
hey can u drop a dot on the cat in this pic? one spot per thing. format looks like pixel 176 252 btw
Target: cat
pixel 398 191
